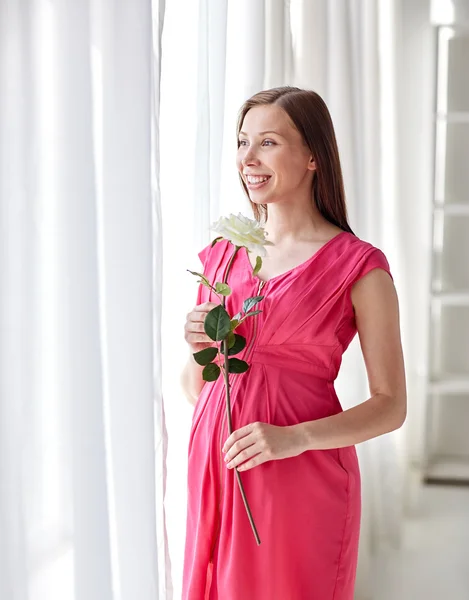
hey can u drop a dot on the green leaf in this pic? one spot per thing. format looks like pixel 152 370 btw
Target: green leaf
pixel 196 273
pixel 239 344
pixel 254 312
pixel 258 266
pixel 231 338
pixel 217 324
pixel 204 357
pixel 250 302
pixel 205 281
pixel 211 372
pixel 235 321
pixel 215 241
pixel 222 288
pixel 237 366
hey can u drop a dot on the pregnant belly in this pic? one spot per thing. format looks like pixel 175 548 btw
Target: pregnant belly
pixel 282 397
pixel 265 393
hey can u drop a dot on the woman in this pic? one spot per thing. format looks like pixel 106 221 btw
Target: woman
pixel 292 440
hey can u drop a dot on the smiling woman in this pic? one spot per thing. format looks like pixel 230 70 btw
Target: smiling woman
pixel 290 133
pixel 295 444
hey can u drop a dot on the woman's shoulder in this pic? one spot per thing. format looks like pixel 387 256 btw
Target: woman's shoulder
pixel 363 256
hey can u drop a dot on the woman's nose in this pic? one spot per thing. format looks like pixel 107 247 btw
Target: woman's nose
pixel 250 157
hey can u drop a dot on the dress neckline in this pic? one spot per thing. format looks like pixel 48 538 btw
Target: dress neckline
pixel 302 265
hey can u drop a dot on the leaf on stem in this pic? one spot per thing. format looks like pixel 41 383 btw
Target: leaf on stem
pixel 235 321
pixel 231 338
pixel 217 324
pixel 204 357
pixel 258 266
pixel 211 372
pixel 238 345
pixel 237 366
pixel 222 288
pixel 254 312
pixel 250 302
pixel 203 279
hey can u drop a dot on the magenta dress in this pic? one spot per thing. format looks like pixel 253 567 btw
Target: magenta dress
pixel 306 508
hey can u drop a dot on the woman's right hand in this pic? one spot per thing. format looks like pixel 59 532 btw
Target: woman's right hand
pixel 194 332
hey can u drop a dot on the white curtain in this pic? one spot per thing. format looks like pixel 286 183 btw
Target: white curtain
pixel 82 437
pixel 346 51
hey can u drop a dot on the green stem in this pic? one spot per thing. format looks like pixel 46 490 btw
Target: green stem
pixel 228 409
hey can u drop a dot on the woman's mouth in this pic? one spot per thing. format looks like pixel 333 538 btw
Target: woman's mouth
pixel 255 182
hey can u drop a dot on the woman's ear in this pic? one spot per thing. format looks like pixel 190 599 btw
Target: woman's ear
pixel 312 164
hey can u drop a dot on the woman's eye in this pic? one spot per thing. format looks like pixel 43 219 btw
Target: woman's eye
pixel 242 143
pixel 268 143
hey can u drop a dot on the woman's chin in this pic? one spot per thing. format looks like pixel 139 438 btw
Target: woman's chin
pixel 259 197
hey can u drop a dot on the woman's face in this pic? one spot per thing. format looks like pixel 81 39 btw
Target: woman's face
pixel 272 158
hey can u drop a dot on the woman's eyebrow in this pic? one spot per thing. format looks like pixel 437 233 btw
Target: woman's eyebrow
pixel 262 133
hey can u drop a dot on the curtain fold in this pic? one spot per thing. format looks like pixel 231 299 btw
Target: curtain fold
pixel 183 123
pixel 245 70
pixel 79 343
pixel 165 579
pixel 211 80
pixel 16 317
pixel 82 430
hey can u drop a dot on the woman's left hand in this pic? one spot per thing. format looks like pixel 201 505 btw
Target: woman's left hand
pixel 258 443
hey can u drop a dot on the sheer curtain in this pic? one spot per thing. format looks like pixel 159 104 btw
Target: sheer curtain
pixel 81 425
pixel 347 51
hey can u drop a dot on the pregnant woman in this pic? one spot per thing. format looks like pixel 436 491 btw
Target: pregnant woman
pixel 292 441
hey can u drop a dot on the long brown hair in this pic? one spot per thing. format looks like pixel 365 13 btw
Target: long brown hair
pixel 311 117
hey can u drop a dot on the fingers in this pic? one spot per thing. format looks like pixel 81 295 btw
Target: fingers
pixel 194 332
pixel 239 434
pixel 237 456
pixel 194 326
pixel 199 312
pixel 248 458
pixel 253 445
pixel 203 309
pixel 254 462
pixel 242 451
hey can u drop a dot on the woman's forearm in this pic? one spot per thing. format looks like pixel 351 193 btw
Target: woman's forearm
pixel 376 416
pixel 191 380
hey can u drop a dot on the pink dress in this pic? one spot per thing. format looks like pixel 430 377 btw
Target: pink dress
pixel 306 508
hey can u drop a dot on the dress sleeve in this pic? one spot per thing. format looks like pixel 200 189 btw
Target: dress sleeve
pixel 213 261
pixel 374 260
pixel 203 254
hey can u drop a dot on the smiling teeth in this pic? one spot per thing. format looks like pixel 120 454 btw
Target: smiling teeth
pixel 254 180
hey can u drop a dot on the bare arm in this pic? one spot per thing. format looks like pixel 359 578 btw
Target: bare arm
pixel 191 379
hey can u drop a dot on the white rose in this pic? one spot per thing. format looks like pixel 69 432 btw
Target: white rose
pixel 241 231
